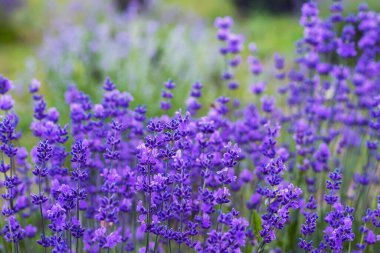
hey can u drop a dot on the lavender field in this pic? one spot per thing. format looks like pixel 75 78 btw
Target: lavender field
pixel 140 126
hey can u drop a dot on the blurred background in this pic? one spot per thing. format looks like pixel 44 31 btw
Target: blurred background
pixel 139 44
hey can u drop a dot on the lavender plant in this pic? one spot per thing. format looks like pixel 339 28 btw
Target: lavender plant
pixel 292 172
pixel 90 40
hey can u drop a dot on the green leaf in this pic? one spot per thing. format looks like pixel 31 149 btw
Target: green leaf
pixel 257 225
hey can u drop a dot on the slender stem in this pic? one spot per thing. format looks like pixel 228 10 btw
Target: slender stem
pixel 42 221
pixel 181 222
pixel 10 200
pixel 217 215
pixel 179 244
pixel 10 231
pixel 4 243
pixel 362 238
pixel 155 244
pixel 250 224
pixel 162 208
pixel 69 233
pixel 134 223
pixel 77 245
pixel 77 211
pixel 122 231
pixel 12 169
pixel 321 199
pixel 42 217
pixel 261 247
pixel 12 165
pixel 204 180
pixel 149 201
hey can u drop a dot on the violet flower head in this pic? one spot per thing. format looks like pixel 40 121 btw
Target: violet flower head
pixel 6 102
pixel 223 22
pixel 108 85
pixel 167 95
pixel 5 85
pixel 44 152
pixel 78 153
pixel 34 86
pixel 13 231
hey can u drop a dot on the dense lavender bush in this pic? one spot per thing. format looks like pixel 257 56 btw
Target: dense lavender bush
pixel 295 172
pixel 89 40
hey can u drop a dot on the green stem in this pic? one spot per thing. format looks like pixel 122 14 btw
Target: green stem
pixel 204 180
pixel 77 245
pixel 149 201
pixel 179 244
pixel 69 232
pixel 77 212
pixel 248 246
pixel 261 247
pixel 42 217
pixel 156 244
pixel 5 247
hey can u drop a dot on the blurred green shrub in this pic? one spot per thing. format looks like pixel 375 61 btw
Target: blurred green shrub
pixel 7 7
pixel 90 40
pixel 8 31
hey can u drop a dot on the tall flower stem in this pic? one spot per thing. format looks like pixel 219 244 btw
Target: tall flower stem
pixel 181 218
pixel 13 169
pixel 42 217
pixel 181 223
pixel 149 202
pixel 70 234
pixel 4 243
pixel 77 210
pixel 163 207
pixel 10 230
pixel 156 244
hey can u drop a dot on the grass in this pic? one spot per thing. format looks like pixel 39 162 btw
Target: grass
pixel 268 33
pixel 209 9
pixel 12 58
